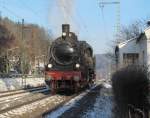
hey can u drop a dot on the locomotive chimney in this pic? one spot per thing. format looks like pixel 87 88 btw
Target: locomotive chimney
pixel 66 29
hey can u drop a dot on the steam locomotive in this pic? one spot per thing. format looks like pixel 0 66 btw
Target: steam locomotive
pixel 71 64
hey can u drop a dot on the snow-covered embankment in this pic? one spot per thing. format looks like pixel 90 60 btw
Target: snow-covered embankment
pixel 17 83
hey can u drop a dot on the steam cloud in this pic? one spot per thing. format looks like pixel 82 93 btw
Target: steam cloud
pixel 61 11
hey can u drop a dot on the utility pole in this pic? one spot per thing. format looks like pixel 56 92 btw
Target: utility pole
pixel 7 63
pixel 102 4
pixel 22 37
pixel 23 56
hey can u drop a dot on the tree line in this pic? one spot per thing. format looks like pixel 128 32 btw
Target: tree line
pixel 22 45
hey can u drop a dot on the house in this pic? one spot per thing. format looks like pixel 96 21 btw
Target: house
pixel 134 51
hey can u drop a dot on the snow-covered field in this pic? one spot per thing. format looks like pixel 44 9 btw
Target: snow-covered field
pixel 16 83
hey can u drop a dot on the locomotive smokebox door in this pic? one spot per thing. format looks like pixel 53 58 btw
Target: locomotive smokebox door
pixel 65 30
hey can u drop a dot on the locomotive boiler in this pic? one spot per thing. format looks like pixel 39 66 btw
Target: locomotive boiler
pixel 71 64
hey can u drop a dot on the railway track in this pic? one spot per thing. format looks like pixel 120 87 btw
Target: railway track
pixel 36 104
pixel 13 92
pixel 31 104
pixel 19 98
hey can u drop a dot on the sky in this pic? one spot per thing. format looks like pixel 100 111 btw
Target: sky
pixel 87 19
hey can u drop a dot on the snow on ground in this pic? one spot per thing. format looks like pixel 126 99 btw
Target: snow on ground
pixel 103 105
pixel 106 85
pixel 68 105
pixel 65 107
pixel 16 83
pixel 28 110
pixel 102 108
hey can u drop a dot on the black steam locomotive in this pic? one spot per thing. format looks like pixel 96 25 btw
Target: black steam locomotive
pixel 71 63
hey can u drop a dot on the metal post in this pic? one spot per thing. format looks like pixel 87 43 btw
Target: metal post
pixel 23 57
pixel 38 67
pixel 117 2
pixel 7 62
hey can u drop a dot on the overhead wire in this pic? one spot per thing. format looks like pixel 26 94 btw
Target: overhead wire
pixel 82 21
pixel 10 11
pixel 65 10
pixel 28 7
pixel 22 4
pixel 83 26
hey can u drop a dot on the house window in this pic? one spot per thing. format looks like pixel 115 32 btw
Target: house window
pixel 130 58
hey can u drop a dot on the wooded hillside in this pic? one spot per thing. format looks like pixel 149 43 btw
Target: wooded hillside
pixel 17 38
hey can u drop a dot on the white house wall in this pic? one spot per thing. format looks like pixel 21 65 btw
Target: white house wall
pixel 142 47
pixel 147 33
pixel 133 46
pixel 129 47
pixel 142 44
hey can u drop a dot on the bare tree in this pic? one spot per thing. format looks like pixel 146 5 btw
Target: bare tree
pixel 126 33
pixel 131 31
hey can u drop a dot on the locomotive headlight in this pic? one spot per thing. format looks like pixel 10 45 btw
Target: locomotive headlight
pixel 77 65
pixel 71 50
pixel 64 34
pixel 49 65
